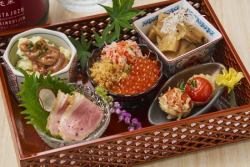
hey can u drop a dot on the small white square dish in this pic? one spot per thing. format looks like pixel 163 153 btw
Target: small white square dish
pixel 200 53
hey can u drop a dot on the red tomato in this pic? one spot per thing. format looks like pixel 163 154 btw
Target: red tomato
pixel 199 89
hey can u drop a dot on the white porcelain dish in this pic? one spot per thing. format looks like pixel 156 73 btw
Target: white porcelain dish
pixel 202 53
pixel 10 55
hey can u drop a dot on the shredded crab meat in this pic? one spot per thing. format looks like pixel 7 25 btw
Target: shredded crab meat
pixel 121 52
pixel 175 102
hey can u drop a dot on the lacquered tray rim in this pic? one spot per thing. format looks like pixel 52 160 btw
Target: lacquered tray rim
pixel 125 134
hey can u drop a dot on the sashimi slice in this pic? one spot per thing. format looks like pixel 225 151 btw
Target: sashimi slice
pixel 80 119
pixel 60 105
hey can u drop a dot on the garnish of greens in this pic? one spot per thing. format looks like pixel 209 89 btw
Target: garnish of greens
pixel 193 84
pixel 82 47
pixel 182 86
pixel 123 115
pixel 34 113
pixel 121 14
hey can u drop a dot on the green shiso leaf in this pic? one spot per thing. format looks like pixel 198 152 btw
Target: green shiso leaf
pixel 28 94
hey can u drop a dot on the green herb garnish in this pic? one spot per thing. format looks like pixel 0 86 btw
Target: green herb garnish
pixel 182 86
pixel 103 93
pixel 121 14
pixel 106 37
pixel 28 94
pixel 82 47
pixel 193 84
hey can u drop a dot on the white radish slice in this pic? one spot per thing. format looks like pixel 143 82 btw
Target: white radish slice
pixel 47 99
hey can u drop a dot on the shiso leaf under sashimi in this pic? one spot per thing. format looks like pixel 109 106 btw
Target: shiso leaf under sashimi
pixel 28 94
pixel 80 119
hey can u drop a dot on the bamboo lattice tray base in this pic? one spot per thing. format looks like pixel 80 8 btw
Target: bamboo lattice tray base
pixel 118 147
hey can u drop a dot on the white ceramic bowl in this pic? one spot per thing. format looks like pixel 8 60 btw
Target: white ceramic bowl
pixel 83 6
pixel 10 57
pixel 201 54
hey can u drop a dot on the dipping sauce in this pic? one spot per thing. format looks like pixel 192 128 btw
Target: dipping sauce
pixel 143 75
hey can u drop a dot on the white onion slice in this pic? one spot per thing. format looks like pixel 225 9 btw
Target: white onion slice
pixel 47 99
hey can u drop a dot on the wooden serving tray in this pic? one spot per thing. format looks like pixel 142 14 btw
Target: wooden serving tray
pixel 121 148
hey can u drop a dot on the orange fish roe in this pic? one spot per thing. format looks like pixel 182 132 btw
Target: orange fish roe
pixel 143 75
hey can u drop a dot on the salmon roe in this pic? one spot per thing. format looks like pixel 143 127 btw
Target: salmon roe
pixel 143 74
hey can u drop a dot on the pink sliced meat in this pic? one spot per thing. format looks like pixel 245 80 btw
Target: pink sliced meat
pixel 60 105
pixel 80 119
